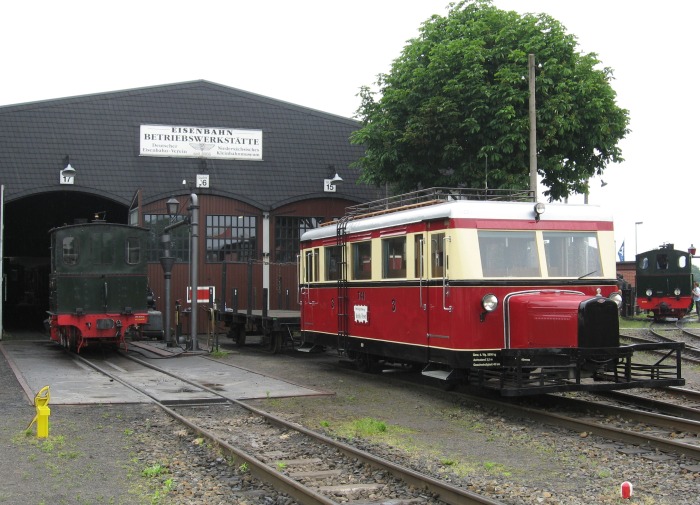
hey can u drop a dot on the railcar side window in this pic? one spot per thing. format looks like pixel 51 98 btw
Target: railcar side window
pixel 509 254
pixel 362 260
pixel 133 251
pixel 394 257
pixel 311 266
pixel 334 258
pixel 418 255
pixel 70 250
pixel 437 255
pixel 572 254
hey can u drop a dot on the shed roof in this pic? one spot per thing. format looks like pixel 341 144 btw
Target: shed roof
pixel 100 133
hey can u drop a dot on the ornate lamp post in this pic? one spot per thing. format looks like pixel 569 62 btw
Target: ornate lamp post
pixel 167 261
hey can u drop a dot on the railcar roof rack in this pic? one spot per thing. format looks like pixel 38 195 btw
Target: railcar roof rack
pixel 433 196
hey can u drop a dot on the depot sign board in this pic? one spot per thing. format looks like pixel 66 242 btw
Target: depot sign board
pixel 200 142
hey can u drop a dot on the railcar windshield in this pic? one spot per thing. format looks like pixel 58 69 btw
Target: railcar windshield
pixel 515 254
pixel 572 254
pixel 509 254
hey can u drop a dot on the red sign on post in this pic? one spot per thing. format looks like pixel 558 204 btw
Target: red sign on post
pixel 202 294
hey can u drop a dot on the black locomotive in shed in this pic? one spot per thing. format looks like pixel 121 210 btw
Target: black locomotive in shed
pixel 98 287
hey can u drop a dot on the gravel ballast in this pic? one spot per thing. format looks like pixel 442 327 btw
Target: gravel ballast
pixel 134 454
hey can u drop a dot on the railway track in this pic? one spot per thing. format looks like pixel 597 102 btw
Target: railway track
pixel 690 353
pixel 677 434
pixel 307 466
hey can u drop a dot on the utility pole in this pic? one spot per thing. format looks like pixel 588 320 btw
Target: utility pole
pixel 2 253
pixel 533 125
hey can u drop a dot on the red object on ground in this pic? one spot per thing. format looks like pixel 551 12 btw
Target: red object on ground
pixel 626 490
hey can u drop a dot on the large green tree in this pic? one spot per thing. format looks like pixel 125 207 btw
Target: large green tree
pixel 454 108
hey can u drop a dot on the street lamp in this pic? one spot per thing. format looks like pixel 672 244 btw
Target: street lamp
pixel 167 261
pixel 635 236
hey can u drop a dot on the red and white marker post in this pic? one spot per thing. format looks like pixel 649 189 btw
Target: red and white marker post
pixel 626 490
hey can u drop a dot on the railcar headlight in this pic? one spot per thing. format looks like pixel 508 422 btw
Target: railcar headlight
pixel 617 298
pixel 649 292
pixel 489 302
pixel 677 292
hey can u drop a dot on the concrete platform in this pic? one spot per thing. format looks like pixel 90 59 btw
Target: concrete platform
pixel 39 363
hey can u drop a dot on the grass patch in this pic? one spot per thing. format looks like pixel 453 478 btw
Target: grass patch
pixel 375 430
pixel 154 470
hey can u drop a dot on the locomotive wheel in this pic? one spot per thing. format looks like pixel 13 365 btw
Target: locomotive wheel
pixel 240 336
pixel 72 340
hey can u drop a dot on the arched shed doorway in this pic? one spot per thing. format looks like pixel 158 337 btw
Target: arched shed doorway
pixel 26 248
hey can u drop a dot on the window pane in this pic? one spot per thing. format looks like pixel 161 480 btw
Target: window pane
pixel 133 251
pixel 509 254
pixel 418 253
pixel 437 255
pixel 70 251
pixel 231 238
pixel 572 254
pixel 309 266
pixel 334 258
pixel 394 257
pixel 662 261
pixel 288 230
pixel 179 238
pixel 362 260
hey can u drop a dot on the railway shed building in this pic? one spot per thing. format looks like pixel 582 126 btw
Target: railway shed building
pixel 261 171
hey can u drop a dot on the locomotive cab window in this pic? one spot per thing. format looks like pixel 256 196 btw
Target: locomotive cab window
pixel 362 260
pixel 682 261
pixel 509 254
pixel 394 258
pixel 70 250
pixel 572 254
pixel 662 261
pixel 133 251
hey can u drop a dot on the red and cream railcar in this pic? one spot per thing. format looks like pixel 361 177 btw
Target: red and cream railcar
pixel 500 294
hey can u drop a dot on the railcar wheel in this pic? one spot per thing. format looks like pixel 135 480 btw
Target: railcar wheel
pixel 366 363
pixel 275 342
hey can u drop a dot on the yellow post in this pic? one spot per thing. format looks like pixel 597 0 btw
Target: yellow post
pixel 42 422
pixel 41 400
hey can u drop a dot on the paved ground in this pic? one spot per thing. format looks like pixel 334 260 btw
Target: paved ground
pixel 38 362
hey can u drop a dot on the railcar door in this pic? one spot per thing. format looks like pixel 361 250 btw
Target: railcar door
pixel 438 304
pixel 307 294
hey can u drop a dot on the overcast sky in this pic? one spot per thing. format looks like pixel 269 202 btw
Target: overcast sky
pixel 318 53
